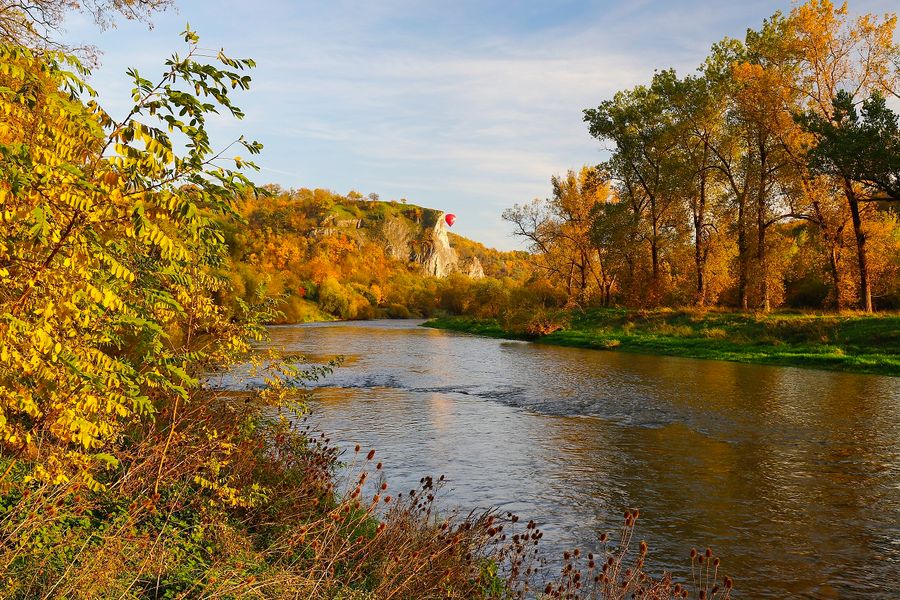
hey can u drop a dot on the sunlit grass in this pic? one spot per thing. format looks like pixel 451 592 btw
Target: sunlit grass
pixel 854 342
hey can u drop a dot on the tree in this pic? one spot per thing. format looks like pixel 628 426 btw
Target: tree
pixel 558 229
pixel 756 79
pixel 841 61
pixel 860 146
pixel 640 126
pixel 613 234
pixel 698 117
pixel 108 253
pixel 36 23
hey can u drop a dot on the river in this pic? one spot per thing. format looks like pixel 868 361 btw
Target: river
pixel 791 475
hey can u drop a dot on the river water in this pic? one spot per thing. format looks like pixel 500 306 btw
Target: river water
pixel 791 475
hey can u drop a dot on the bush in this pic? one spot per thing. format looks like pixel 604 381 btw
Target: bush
pixel 398 311
pixel 333 299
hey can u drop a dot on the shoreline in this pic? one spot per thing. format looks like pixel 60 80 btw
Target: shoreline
pixel 850 344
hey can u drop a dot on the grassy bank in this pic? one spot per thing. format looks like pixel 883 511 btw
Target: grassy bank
pixel 853 343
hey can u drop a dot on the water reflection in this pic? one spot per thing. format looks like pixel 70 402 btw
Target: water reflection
pixel 791 475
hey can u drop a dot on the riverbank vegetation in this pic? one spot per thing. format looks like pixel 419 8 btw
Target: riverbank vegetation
pixel 853 343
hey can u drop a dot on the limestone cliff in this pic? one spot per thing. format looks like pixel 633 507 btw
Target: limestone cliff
pixel 472 267
pixel 407 232
pixel 440 258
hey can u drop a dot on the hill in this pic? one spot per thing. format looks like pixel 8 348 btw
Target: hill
pixel 328 255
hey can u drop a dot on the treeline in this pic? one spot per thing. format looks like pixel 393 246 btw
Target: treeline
pixel 769 178
pixel 325 255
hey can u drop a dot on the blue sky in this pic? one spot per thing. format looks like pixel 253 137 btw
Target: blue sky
pixel 466 106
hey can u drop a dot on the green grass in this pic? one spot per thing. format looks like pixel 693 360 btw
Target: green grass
pixel 853 343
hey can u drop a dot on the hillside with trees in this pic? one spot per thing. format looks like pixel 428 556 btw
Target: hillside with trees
pixel 323 255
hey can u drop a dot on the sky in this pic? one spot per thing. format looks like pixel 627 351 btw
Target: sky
pixel 467 106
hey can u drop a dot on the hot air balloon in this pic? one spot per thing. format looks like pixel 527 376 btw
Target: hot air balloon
pixel 450 218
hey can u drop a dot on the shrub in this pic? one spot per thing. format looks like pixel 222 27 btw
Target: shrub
pixel 398 311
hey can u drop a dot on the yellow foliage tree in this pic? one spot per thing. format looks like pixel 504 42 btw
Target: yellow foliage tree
pixel 108 253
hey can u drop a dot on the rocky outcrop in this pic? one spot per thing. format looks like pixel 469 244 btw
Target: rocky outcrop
pixel 440 259
pixel 396 235
pixel 472 267
pixel 405 239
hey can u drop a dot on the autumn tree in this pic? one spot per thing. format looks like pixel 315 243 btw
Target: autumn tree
pixel 843 62
pixel 108 253
pixel 559 231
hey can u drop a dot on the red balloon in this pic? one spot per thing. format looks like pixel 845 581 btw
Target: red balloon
pixel 450 218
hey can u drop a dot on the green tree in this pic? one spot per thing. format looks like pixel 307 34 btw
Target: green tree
pixel 859 145
pixel 638 122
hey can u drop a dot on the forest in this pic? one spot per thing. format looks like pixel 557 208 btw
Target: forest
pixel 770 178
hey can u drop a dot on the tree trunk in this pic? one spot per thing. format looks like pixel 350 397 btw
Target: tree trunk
pixel 583 269
pixel 654 247
pixel 699 254
pixel 742 253
pixel 761 227
pixel 834 260
pixel 865 287
pixel 762 259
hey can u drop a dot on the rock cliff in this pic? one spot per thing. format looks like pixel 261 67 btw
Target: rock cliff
pixel 405 232
pixel 440 257
pixel 472 267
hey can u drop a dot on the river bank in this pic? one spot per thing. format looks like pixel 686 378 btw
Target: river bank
pixel 850 343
